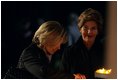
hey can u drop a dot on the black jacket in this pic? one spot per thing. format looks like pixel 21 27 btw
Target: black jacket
pixel 34 60
pixel 78 59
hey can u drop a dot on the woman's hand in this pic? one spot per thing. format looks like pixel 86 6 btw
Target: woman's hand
pixel 79 76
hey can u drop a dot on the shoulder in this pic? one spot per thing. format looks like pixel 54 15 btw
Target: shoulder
pixel 73 49
pixel 76 45
pixel 100 42
pixel 31 47
pixel 31 50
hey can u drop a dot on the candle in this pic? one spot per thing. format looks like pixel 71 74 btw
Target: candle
pixel 102 73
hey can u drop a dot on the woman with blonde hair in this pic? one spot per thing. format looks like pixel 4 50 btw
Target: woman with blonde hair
pixel 42 58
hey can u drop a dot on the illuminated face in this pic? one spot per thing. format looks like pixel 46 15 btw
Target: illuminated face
pixel 89 31
pixel 53 46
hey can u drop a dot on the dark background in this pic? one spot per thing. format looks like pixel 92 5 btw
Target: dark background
pixel 20 19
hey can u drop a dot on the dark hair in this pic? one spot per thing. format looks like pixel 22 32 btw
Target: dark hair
pixel 90 15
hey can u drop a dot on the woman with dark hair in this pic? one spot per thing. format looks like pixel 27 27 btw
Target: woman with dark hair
pixel 85 56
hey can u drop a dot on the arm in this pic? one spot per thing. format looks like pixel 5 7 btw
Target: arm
pixel 68 65
pixel 66 61
pixel 34 64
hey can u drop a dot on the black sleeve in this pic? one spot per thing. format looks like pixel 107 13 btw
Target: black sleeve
pixel 33 64
pixel 66 62
pixel 39 67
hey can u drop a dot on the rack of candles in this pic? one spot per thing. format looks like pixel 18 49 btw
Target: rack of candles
pixel 102 73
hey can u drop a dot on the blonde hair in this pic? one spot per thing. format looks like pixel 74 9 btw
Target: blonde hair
pixel 46 30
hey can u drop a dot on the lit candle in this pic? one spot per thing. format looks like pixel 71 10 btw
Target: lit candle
pixel 102 73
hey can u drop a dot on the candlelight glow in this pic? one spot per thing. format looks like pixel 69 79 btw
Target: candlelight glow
pixel 103 71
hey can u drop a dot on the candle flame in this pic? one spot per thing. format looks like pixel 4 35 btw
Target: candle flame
pixel 103 71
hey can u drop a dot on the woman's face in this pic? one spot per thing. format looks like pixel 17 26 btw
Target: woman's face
pixel 53 46
pixel 89 31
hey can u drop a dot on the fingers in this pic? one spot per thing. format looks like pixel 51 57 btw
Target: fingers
pixel 79 76
pixel 83 77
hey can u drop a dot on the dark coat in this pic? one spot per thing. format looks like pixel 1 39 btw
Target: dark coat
pixel 34 60
pixel 78 59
